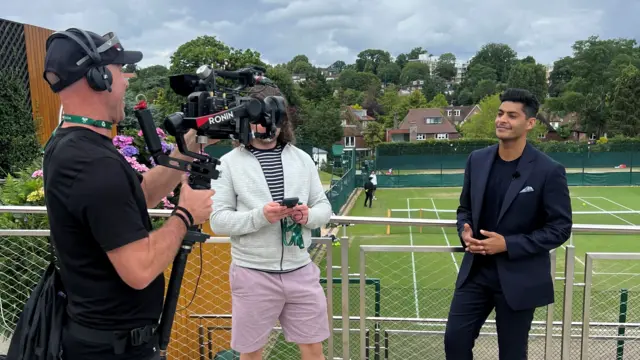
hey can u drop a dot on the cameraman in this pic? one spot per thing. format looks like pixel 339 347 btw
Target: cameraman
pixel 271 276
pixel 111 261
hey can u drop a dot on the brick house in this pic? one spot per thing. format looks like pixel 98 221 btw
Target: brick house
pixel 553 122
pixel 459 114
pixel 423 124
pixel 354 121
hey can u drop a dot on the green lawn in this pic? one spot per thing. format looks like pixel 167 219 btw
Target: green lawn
pixel 420 285
pixel 325 177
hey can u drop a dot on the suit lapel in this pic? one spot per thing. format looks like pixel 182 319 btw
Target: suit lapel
pixel 483 169
pixel 524 170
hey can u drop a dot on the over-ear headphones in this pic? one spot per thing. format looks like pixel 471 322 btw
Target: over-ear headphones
pixel 98 76
pixel 276 109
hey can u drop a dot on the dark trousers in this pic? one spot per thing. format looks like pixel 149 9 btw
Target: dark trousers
pixel 471 305
pixel 369 198
pixel 76 348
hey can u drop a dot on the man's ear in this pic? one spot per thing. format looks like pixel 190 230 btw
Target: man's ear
pixel 531 122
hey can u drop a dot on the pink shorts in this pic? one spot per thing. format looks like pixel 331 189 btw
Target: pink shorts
pixel 259 299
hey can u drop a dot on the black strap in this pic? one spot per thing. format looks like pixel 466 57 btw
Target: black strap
pixel 119 339
pixel 186 212
pixel 66 138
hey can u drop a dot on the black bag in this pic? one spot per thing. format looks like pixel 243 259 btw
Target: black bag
pixel 38 333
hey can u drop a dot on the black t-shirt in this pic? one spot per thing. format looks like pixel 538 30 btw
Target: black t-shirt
pixel 500 177
pixel 96 204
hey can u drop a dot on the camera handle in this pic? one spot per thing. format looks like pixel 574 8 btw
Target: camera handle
pixel 201 172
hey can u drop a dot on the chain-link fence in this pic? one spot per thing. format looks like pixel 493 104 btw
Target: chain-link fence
pixel 406 300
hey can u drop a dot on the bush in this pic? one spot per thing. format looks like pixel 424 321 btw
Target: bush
pixel 24 258
pixel 18 140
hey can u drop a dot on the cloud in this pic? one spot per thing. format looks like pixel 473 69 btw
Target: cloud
pixel 330 30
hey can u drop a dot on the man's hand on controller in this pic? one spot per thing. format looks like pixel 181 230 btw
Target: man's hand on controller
pixel 197 202
pixel 192 145
pixel 275 212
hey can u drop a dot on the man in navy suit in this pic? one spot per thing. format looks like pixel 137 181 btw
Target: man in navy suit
pixel 514 208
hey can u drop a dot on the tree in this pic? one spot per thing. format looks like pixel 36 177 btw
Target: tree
pixel 371 60
pixel 207 50
pixel 560 76
pixel 530 76
pixel 481 125
pixel 625 104
pixel 593 69
pixel 360 81
pixel 500 57
pixel 338 66
pixel 433 85
pixel 414 71
pixel 389 73
pixel 300 65
pixel 483 89
pixel 446 66
pixel 321 124
pixel 18 141
pixel 439 101
pixel 315 86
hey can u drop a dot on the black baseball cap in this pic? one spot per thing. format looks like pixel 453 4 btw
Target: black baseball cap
pixel 69 60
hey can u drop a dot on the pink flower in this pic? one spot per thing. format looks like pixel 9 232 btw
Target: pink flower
pixel 159 131
pixel 136 165
pixel 167 204
pixel 121 141
pixel 37 174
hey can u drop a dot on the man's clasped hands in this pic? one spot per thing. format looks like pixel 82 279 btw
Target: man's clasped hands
pixel 493 244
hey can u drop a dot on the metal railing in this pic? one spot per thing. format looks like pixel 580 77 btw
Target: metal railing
pixel 604 330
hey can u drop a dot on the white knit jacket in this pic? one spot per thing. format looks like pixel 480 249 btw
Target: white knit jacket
pixel 241 192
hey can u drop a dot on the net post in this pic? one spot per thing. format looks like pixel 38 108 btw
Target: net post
pixel 622 318
pixel 388 226
pixel 420 218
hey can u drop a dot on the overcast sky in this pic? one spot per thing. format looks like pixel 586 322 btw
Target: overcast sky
pixel 330 30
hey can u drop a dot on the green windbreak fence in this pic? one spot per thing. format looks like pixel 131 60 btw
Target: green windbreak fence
pixel 586 165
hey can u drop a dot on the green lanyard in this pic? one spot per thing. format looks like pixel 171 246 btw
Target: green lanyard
pixel 75 119
pixel 288 225
pixel 86 121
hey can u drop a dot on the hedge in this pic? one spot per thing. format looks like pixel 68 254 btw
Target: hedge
pixel 464 146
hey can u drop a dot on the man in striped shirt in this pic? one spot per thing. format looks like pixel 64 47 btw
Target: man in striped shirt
pixel 272 277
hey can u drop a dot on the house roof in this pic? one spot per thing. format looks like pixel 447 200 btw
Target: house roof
pixel 418 118
pixel 465 110
pixel 360 114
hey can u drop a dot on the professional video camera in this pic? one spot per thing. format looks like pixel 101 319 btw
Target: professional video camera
pixel 215 112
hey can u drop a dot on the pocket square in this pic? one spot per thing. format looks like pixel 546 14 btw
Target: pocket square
pixel 526 189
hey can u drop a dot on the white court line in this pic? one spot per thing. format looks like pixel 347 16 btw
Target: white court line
pixel 446 238
pixel 413 264
pixel 603 273
pixel 605 211
pixel 615 203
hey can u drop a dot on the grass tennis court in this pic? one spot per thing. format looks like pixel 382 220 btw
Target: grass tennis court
pixel 420 285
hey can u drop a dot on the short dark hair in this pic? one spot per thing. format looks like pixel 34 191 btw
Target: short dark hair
pixel 260 92
pixel 530 104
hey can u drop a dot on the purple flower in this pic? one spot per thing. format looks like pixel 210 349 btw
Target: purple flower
pixel 36 174
pixel 167 148
pixel 129 151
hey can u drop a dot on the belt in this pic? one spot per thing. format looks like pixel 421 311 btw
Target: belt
pixel 118 338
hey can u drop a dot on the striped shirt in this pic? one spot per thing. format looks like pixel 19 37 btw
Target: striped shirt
pixel 271 162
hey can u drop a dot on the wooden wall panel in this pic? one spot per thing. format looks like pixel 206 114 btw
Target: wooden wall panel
pixel 45 103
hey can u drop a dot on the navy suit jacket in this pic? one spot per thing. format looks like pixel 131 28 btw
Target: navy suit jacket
pixel 532 222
